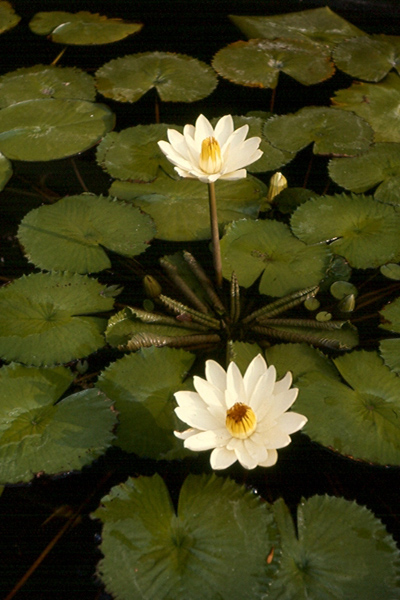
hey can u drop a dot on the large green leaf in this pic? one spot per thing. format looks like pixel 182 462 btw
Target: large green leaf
pixel 39 434
pixel 142 386
pixel 267 248
pixel 391 316
pixel 368 57
pixel 377 103
pixel 332 131
pixel 359 418
pixel 42 318
pixel 299 359
pixel 318 24
pixel 82 28
pixel 8 18
pixel 180 208
pixel 52 128
pixel 390 351
pixel 45 81
pixel 364 231
pixel 337 550
pixel 215 546
pixel 258 62
pixel 176 77
pixel 72 234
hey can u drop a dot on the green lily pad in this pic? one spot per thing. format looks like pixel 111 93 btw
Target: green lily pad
pixel 39 433
pixel 52 128
pixel 341 289
pixel 290 198
pixel 8 17
pixel 377 103
pixel 333 131
pixel 180 208
pixel 82 28
pixel 320 25
pixel 391 271
pixel 367 57
pixel 390 352
pixel 42 318
pixel 6 171
pixel 337 549
pixel 299 359
pixel 258 62
pixel 391 316
pixel 133 153
pixel 364 231
pixel 359 418
pixel 214 546
pixel 389 191
pixel 176 77
pixel 142 387
pixel 72 234
pixel 43 81
pixel 267 248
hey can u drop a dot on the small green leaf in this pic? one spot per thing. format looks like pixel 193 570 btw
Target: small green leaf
pixel 391 270
pixel 391 316
pixel 340 289
pixel 71 234
pixel 216 545
pixel 5 171
pixel 8 18
pixel 176 77
pixel 82 28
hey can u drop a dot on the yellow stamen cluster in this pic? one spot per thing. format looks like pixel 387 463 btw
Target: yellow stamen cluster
pixel 210 156
pixel 241 421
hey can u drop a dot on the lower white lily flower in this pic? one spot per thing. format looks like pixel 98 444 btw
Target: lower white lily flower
pixel 241 418
pixel 208 154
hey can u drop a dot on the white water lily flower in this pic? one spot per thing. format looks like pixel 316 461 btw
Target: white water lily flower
pixel 208 154
pixel 241 418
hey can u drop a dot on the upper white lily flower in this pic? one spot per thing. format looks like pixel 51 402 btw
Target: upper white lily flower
pixel 208 154
pixel 241 418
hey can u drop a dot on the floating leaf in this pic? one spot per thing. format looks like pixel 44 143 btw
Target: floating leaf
pixel 258 62
pixel 299 359
pixel 359 419
pixel 390 351
pixel 133 153
pixel 71 234
pixel 180 208
pixel 377 103
pixel 142 386
pixel 318 24
pixel 391 316
pixel 82 28
pixel 176 77
pixel 341 289
pixel 333 131
pixel 214 546
pixel 52 128
pixel 290 198
pixel 5 171
pixel 43 81
pixel 267 248
pixel 389 191
pixel 39 434
pixel 368 57
pixel 391 270
pixel 8 18
pixel 337 549
pixel 42 322
pixel 362 230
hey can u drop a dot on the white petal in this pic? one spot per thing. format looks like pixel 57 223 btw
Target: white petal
pixel 234 384
pixel 183 173
pixel 263 392
pixel 183 435
pixel 257 451
pixel 182 397
pixel 283 384
pixel 271 460
pixel 203 129
pixel 243 155
pixel 235 140
pixel 175 158
pixel 210 394
pixel 196 415
pixel 256 368
pixel 189 131
pixel 275 438
pixel 223 130
pixel 205 440
pixel 194 150
pixel 221 458
pixel 291 422
pixel 245 459
pixel 234 175
pixel 282 402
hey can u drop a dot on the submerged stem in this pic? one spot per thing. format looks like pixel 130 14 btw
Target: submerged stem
pixel 215 234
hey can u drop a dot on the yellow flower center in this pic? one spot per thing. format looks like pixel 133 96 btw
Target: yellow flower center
pixel 241 421
pixel 210 156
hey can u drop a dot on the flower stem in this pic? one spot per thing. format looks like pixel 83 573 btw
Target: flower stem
pixel 215 234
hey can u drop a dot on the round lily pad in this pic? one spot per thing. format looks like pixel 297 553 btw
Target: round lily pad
pixel 359 418
pixel 42 318
pixel 257 63
pixel 72 234
pixel 8 17
pixel 390 352
pixel 331 130
pixel 180 207
pixel 299 359
pixel 377 103
pixel 367 57
pixel 142 387
pixel 337 549
pixel 176 77
pixel 43 81
pixel 391 316
pixel 82 28
pixel 39 433
pixel 389 190
pixel 318 24
pixel 53 128
pixel 364 231
pixel 341 289
pixel 133 153
pixel 215 545
pixel 267 248
pixel 391 270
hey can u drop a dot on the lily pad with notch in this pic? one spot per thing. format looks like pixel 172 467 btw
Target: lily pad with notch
pixel 74 233
pixel 389 350
pixel 368 57
pixel 175 77
pixel 8 17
